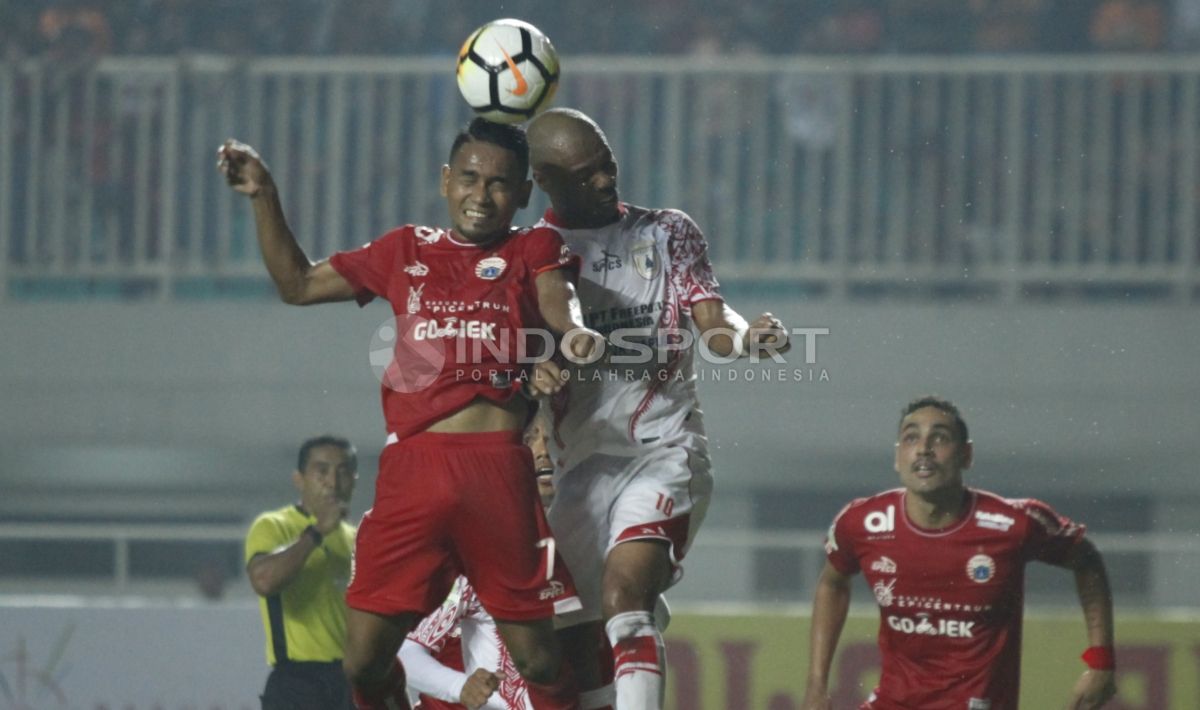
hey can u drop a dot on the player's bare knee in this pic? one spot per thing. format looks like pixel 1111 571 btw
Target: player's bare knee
pixel 617 599
pixel 625 592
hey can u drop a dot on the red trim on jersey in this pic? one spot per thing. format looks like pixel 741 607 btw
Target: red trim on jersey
pixel 668 320
pixel 572 263
pixel 635 655
pixel 673 531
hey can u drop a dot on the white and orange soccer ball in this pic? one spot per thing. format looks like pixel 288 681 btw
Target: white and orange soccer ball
pixel 508 71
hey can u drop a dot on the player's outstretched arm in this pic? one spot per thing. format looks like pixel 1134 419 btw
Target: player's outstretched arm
pixel 299 281
pixel 727 333
pixel 1097 685
pixel 830 606
pixel 560 308
pixel 428 676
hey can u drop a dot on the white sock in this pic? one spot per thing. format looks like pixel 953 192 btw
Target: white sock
pixel 639 660
pixel 601 698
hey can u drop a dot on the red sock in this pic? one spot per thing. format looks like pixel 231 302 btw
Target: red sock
pixel 389 696
pixel 562 694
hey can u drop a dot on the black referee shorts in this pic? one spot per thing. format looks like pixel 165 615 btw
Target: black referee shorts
pixel 307 685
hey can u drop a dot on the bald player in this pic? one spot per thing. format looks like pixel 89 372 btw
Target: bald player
pixel 633 477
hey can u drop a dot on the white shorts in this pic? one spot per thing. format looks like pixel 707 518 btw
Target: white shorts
pixel 606 500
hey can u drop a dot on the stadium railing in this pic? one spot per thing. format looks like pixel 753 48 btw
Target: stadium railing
pixel 166 560
pixel 1011 177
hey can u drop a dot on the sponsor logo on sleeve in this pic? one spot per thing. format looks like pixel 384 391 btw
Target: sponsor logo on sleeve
pixel 979 704
pixel 981 568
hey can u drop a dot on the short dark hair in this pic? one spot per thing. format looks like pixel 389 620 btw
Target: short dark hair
pixel 509 137
pixel 939 403
pixel 326 440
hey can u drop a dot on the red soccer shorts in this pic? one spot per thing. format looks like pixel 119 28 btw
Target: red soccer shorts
pixel 458 503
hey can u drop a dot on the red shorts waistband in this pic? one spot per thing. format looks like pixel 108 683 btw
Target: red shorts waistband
pixel 460 439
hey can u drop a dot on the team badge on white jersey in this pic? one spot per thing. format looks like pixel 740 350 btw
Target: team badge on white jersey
pixel 489 269
pixel 646 261
pixel 981 568
pixel 416 269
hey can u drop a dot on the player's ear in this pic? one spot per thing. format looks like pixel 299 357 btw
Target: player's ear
pixel 445 184
pixel 298 480
pixel 967 457
pixel 896 457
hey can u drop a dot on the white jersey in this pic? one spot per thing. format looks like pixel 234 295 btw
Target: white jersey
pixel 639 278
pixel 461 616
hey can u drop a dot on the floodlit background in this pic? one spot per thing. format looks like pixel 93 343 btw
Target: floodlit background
pixel 991 200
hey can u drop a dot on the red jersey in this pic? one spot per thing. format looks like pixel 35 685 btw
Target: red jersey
pixel 950 600
pixel 459 307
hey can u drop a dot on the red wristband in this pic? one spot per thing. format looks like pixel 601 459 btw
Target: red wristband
pixel 1100 658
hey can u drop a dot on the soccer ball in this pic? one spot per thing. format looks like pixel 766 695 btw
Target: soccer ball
pixel 507 71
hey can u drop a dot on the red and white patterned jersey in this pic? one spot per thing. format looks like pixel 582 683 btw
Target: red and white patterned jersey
pixel 950 600
pixel 459 307
pixel 639 276
pixel 461 634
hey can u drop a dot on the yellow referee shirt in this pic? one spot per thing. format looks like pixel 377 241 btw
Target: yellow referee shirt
pixel 306 621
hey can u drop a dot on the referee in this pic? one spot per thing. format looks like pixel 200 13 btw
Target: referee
pixel 298 561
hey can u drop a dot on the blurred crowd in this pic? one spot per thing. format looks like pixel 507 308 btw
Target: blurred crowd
pixel 89 29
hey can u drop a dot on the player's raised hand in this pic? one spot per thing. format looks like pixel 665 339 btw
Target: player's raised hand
pixel 479 687
pixel 242 167
pixel 581 345
pixel 767 335
pixel 546 379
pixel 1093 689
pixel 329 511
